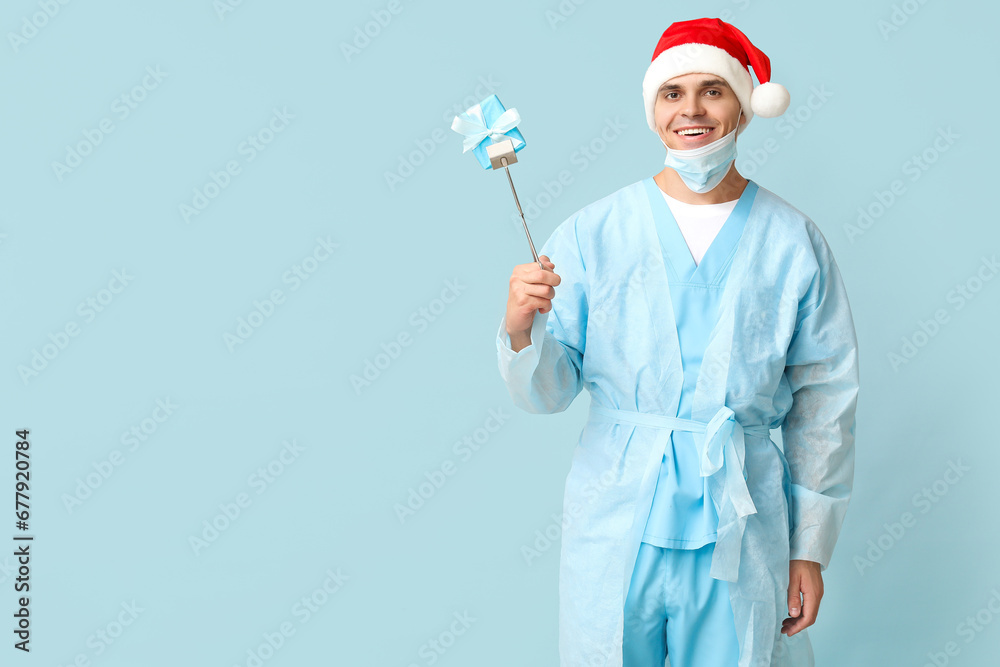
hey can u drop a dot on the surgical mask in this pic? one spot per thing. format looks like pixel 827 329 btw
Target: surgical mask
pixel 703 168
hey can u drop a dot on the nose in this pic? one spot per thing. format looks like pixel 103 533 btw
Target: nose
pixel 692 107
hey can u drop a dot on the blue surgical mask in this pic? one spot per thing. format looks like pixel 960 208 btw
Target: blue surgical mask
pixel 704 167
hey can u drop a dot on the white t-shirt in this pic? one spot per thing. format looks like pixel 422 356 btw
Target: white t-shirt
pixel 699 223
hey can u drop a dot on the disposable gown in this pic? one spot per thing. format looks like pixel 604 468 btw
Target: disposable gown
pixel 783 353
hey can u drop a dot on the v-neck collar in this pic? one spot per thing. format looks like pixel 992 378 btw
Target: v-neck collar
pixel 678 260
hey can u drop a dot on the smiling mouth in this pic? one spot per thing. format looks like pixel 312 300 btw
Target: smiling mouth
pixel 694 131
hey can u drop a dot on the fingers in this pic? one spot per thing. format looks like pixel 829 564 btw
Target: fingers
pixel 802 612
pixel 794 601
pixel 535 297
pixel 790 626
pixel 531 289
pixel 793 623
pixel 532 274
pixel 544 260
pixel 539 289
pixel 810 607
pixel 540 304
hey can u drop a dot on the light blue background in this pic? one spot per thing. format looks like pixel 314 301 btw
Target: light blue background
pixel 357 118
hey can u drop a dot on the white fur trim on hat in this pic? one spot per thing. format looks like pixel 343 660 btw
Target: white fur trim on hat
pixel 691 58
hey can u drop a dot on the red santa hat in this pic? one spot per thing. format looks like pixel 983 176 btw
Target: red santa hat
pixel 714 47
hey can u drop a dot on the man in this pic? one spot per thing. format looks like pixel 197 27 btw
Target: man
pixel 699 310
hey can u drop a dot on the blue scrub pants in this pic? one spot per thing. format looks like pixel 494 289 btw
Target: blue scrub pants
pixel 673 603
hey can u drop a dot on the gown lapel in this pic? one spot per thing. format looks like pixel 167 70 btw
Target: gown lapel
pixel 675 265
pixel 679 263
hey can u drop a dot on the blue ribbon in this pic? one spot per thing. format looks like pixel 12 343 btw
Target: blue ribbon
pixel 472 125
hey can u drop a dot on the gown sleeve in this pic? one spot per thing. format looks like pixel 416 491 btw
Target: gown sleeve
pixel 545 376
pixel 818 431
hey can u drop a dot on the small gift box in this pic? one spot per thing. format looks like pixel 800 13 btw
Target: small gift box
pixel 487 120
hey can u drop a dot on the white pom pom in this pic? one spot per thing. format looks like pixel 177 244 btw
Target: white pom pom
pixel 769 99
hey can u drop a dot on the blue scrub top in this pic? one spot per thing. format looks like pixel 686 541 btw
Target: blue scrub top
pixel 683 515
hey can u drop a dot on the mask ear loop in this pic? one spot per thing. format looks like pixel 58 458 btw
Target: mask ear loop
pixel 732 165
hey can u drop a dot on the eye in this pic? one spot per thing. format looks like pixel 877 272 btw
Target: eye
pixel 713 90
pixel 667 94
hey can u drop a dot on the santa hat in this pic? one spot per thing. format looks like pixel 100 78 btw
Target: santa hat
pixel 714 47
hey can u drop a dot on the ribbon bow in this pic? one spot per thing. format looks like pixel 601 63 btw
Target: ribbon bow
pixel 724 433
pixel 725 447
pixel 472 125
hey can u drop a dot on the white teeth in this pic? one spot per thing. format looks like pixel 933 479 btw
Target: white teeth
pixel 692 131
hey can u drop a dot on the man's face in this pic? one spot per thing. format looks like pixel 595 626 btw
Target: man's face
pixel 702 106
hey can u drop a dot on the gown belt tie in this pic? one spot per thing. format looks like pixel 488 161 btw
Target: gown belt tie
pixel 722 458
